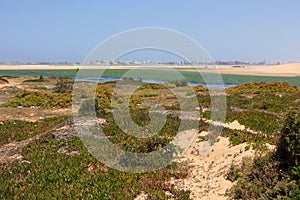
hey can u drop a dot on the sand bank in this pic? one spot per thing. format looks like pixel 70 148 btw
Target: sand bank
pixel 284 70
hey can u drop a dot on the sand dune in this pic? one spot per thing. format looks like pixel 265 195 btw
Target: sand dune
pixel 292 69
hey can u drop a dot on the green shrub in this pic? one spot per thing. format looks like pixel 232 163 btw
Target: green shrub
pixel 234 173
pixel 288 147
pixel 104 95
pixel 260 179
pixel 275 175
pixel 63 85
pixel 200 88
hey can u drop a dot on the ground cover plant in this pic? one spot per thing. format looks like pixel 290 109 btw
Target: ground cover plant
pixel 61 97
pixel 13 131
pixel 39 99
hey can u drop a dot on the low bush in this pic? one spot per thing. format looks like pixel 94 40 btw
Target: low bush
pixel 64 85
pixel 275 175
pixel 288 147
pixel 200 88
pixel 104 95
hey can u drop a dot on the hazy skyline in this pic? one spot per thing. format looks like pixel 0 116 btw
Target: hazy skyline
pixel 35 31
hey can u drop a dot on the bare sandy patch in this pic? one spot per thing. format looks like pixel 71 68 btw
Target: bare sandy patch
pixel 206 178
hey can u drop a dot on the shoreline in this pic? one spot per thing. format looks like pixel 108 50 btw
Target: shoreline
pixel 284 70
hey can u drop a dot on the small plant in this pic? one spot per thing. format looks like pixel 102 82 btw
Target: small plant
pixel 234 173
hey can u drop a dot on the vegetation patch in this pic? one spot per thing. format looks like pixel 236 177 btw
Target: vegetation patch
pixel 64 85
pixel 48 173
pixel 38 99
pixel 12 131
pixel 153 86
pixel 262 88
pixel 39 87
pixel 275 175
pixel 200 88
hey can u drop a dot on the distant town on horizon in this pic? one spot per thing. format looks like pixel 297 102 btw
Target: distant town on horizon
pixel 136 62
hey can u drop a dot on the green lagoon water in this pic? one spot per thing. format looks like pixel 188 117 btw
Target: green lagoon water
pixel 153 75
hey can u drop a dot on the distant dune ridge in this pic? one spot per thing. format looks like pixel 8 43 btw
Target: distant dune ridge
pixel 292 69
pixel 286 70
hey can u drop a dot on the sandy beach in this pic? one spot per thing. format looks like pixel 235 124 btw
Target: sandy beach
pixel 283 70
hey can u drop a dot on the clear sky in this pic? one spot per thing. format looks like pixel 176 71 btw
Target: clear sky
pixel 62 30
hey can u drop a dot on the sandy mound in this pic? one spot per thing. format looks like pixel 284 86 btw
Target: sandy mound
pixel 206 178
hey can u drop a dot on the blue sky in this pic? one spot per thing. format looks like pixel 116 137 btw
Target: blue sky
pixel 250 30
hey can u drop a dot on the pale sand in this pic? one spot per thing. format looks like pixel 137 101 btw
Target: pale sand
pixel 207 176
pixel 285 70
